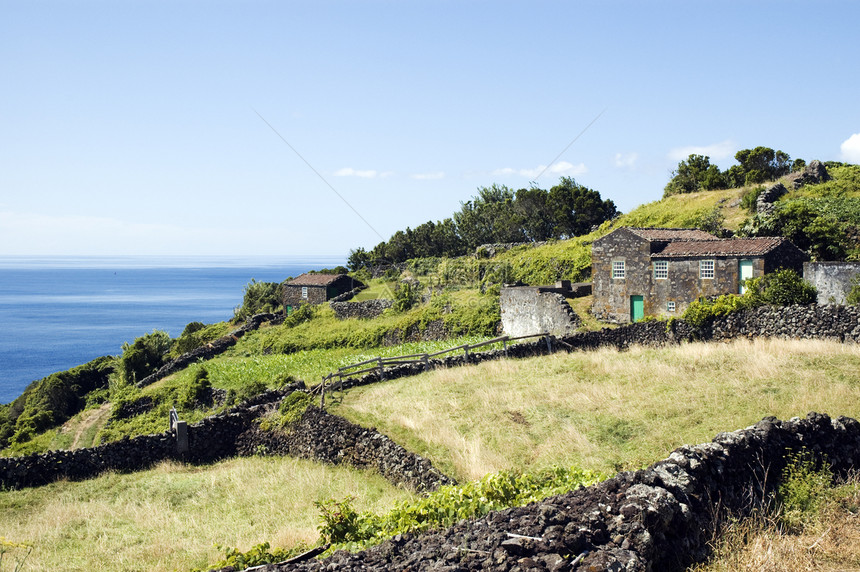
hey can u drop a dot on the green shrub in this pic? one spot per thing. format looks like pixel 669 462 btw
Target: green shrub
pixel 703 310
pixel 405 296
pixel 257 556
pixel 804 486
pixel 144 356
pixel 750 198
pixel 783 287
pixel 199 391
pixel 259 297
pixel 300 315
pixel 194 335
pixel 341 524
pixel 293 406
pixel 853 297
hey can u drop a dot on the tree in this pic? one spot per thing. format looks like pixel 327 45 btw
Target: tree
pixel 762 164
pixel 532 210
pixel 694 174
pixel 488 218
pixel 575 209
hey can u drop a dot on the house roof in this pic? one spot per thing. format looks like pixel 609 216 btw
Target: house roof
pixel 720 247
pixel 308 279
pixel 671 234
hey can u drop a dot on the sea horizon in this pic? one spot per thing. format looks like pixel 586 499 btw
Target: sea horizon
pixel 63 311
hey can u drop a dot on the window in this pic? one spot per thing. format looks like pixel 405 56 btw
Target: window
pixel 305 292
pixel 618 270
pixel 670 306
pixel 706 269
pixel 661 269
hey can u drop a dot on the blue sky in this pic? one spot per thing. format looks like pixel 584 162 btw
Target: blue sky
pixel 135 127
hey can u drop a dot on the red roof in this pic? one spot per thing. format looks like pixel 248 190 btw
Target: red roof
pixel 720 247
pixel 671 234
pixel 308 279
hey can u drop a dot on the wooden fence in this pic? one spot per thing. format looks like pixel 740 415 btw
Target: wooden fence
pixel 379 364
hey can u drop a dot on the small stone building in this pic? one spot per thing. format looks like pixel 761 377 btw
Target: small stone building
pixel 638 272
pixel 529 310
pixel 310 288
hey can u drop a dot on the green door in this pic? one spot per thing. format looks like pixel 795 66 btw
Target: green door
pixel 637 308
pixel 745 271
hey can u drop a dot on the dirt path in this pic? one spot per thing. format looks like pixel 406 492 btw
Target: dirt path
pixel 89 419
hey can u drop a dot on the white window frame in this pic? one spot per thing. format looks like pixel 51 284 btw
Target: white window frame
pixel 661 269
pixel 707 269
pixel 304 292
pixel 670 306
pixel 619 270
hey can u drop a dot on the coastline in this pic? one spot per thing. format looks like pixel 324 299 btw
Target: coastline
pixel 60 312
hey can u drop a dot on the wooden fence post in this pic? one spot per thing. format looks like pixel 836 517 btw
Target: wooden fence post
pixel 381 370
pixel 466 349
pixel 322 392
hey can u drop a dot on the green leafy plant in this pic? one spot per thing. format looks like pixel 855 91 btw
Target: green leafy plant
pixel 259 297
pixel 198 392
pixel 804 486
pixel 345 527
pixel 781 288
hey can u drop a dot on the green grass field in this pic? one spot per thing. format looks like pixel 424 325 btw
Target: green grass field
pixel 600 410
pixel 605 410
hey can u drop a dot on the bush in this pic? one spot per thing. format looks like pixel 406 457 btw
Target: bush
pixel 784 287
pixel 144 356
pixel 405 296
pixel 750 198
pixel 803 488
pixel 198 392
pixel 259 297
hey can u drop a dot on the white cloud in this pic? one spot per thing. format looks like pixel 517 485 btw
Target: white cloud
pixel 562 168
pixel 429 176
pixel 851 149
pixel 350 172
pixel 626 160
pixel 715 151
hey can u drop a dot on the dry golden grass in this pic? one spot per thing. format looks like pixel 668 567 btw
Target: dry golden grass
pixel 828 542
pixel 171 518
pixel 605 410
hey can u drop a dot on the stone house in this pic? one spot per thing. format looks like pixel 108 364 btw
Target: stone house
pixel 310 288
pixel 638 272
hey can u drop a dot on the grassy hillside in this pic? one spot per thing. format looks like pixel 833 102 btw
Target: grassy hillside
pixel 602 410
pixel 173 516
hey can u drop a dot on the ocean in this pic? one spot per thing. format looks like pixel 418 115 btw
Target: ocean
pixel 59 312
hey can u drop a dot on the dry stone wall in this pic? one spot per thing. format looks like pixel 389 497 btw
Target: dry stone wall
pixel 210 350
pixel 331 439
pixel 318 435
pixel 656 519
pixel 365 310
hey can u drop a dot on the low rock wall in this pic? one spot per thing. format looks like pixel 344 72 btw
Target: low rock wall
pixel 318 435
pixel 331 439
pixel 659 518
pixel 209 350
pixel 365 310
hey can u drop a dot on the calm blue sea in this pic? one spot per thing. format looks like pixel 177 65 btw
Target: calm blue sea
pixel 59 312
